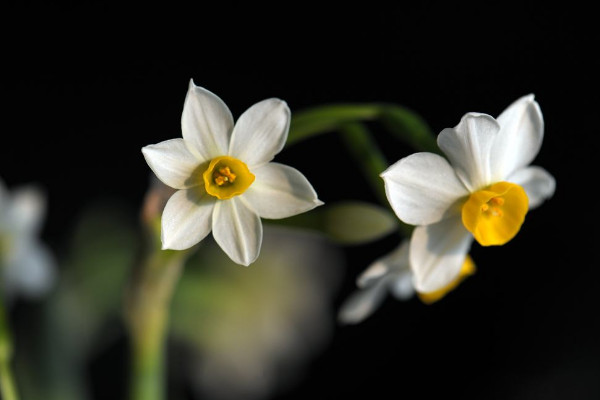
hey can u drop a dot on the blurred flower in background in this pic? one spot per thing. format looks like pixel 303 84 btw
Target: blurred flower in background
pixel 253 329
pixel 26 265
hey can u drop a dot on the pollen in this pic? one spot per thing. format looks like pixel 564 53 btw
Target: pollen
pixel 227 177
pixel 494 215
pixel 224 176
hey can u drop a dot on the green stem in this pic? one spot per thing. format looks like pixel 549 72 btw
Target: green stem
pixel 147 314
pixel 409 127
pixel 328 118
pixel 366 152
pixel 8 387
pixel 7 382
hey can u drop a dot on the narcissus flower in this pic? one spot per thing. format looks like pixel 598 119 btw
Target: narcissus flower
pixel 26 265
pixel 483 191
pixel 224 176
pixel 392 273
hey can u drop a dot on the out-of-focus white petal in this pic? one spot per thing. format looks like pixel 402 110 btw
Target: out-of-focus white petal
pixel 402 286
pixel 280 191
pixel 361 303
pixel 520 137
pixel 238 230
pixel 260 132
pixel 395 261
pixel 27 209
pixel 206 123
pixel 469 147
pixel 422 188
pixel 186 219
pixel 437 253
pixel 173 163
pixel 537 182
pixel 31 272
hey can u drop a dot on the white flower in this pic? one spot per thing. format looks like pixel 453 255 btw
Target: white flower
pixel 224 176
pixel 484 191
pixel 391 273
pixel 26 265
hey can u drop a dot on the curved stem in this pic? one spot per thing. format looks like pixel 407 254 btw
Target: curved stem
pixel 8 388
pixel 366 152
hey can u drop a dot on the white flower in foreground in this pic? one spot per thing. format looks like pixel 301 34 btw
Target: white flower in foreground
pixel 392 274
pixel 26 265
pixel 483 192
pixel 224 176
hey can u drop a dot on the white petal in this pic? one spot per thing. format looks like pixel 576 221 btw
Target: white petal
pixel 238 230
pixel 468 146
pixel 422 188
pixel 32 272
pixel 520 137
pixel 260 132
pixel 437 253
pixel 187 218
pixel 280 191
pixel 206 123
pixel 395 261
pixel 537 182
pixel 361 303
pixel 27 209
pixel 402 286
pixel 173 163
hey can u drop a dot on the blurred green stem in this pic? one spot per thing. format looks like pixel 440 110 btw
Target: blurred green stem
pixel 366 152
pixel 327 118
pixel 147 314
pixel 8 388
pixel 362 147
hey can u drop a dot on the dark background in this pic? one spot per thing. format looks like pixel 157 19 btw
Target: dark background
pixel 85 86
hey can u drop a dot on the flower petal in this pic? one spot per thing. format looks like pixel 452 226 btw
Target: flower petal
pixel 520 137
pixel 280 191
pixel 468 146
pixel 186 219
pixel 260 132
pixel 173 163
pixel 402 287
pixel 437 253
pixel 423 188
pixel 395 261
pixel 363 302
pixel 27 209
pixel 537 182
pixel 238 230
pixel 31 272
pixel 206 123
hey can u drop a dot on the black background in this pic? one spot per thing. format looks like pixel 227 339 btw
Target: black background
pixel 85 86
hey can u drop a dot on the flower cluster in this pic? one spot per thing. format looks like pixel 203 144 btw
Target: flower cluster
pixel 482 192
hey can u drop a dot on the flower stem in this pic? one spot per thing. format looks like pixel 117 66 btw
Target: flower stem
pixel 366 152
pixel 8 387
pixel 147 315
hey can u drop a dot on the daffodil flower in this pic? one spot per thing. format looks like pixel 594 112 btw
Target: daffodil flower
pixel 392 274
pixel 482 192
pixel 26 265
pixel 224 176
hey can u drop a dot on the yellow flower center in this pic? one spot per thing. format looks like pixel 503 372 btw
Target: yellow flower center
pixel 467 269
pixel 226 177
pixel 495 214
